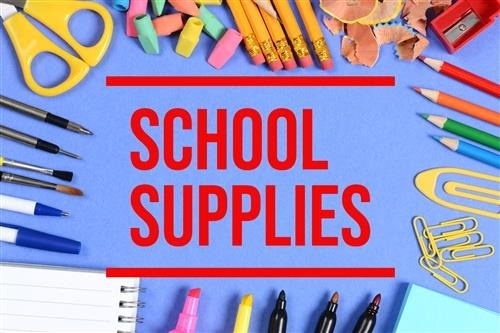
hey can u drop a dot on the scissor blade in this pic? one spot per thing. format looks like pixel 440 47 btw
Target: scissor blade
pixel 7 11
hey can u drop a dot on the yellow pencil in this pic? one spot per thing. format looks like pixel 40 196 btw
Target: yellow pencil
pixel 279 39
pixel 260 30
pixel 314 32
pixel 249 39
pixel 243 317
pixel 293 31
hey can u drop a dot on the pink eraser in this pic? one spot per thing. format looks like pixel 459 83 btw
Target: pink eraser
pixel 166 24
pixel 276 65
pixel 326 64
pixel 185 6
pixel 306 61
pixel 258 59
pixel 137 7
pixel 225 48
pixel 290 64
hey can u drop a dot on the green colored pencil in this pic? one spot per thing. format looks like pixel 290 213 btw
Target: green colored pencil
pixel 464 131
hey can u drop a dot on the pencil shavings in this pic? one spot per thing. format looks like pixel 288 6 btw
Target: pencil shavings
pixel 385 11
pixel 333 25
pixel 415 12
pixel 359 45
pixel 348 11
pixel 409 45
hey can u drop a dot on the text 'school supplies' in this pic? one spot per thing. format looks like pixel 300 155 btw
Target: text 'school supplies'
pixel 315 35
pixel 463 21
pixel 448 242
pixel 278 319
pixel 366 322
pixel 22 180
pixel 424 310
pixel 464 130
pixel 242 322
pixel 34 142
pixel 469 150
pixel 462 75
pixel 328 319
pixel 62 299
pixel 279 39
pixel 249 39
pixel 188 317
pixel 461 105
pixel 43 115
pixel 294 33
pixel 263 37
pixel 28 207
pixel 25 237
pixel 29 42
pixel 427 183
pixel 64 175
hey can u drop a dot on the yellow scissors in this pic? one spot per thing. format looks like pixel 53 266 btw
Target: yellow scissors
pixel 29 42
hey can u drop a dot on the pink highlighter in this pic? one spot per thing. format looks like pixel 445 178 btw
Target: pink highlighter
pixel 187 318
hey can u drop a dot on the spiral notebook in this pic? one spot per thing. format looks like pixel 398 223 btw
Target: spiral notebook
pixel 36 298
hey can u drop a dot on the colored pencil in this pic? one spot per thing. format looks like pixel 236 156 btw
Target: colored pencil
pixel 462 75
pixel 263 37
pixel 314 32
pixel 279 38
pixel 471 151
pixel 293 31
pixel 463 130
pixel 246 31
pixel 461 105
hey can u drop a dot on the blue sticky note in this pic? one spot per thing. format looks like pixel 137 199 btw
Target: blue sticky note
pixel 425 310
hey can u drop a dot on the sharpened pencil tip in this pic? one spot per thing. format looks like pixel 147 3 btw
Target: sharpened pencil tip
pixel 417 89
pixel 423 115
pixel 437 137
pixel 421 58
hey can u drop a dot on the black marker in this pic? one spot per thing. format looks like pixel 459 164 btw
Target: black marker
pixel 328 319
pixel 366 323
pixel 277 322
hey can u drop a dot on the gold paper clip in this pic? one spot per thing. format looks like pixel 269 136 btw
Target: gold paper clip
pixel 426 183
pixel 449 277
pixel 471 252
pixel 430 252
pixel 461 223
pixel 470 238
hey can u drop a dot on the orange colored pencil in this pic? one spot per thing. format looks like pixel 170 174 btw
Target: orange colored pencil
pixel 461 105
pixel 462 75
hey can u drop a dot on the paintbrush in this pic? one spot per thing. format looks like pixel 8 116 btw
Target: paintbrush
pixel 64 175
pixel 21 180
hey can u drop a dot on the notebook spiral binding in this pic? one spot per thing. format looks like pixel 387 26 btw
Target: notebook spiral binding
pixel 130 304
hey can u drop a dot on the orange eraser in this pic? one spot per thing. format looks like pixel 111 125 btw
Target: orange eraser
pixel 166 24
pixel 185 6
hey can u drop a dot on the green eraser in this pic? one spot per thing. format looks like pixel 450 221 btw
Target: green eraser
pixel 147 34
pixel 158 6
pixel 213 26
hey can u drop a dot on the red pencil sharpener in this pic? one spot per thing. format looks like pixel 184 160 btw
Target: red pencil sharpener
pixel 463 21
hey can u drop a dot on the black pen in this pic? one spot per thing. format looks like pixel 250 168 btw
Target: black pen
pixel 366 322
pixel 34 142
pixel 328 319
pixel 277 322
pixel 43 115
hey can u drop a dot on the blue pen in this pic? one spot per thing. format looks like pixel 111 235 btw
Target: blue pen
pixel 471 151
pixel 26 237
pixel 28 207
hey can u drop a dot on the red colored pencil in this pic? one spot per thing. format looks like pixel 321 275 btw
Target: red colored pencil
pixel 462 75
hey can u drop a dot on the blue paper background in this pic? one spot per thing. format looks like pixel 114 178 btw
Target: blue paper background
pixel 370 136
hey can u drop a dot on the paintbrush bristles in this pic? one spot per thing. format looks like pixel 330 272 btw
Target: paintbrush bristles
pixel 68 190
pixel 64 175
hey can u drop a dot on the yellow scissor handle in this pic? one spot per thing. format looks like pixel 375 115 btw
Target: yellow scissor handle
pixel 29 42
pixel 55 14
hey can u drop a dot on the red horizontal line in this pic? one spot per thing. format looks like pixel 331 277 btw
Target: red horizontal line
pixel 252 272
pixel 247 81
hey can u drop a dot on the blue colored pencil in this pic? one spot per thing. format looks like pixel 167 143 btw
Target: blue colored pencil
pixel 471 151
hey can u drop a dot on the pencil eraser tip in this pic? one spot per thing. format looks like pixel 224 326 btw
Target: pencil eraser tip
pixel 306 61
pixel 326 64
pixel 258 59
pixel 290 64
pixel 276 65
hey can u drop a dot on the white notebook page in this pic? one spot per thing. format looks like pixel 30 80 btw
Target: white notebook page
pixel 37 298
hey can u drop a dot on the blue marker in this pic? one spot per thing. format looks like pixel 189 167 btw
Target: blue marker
pixel 471 151
pixel 28 207
pixel 26 237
